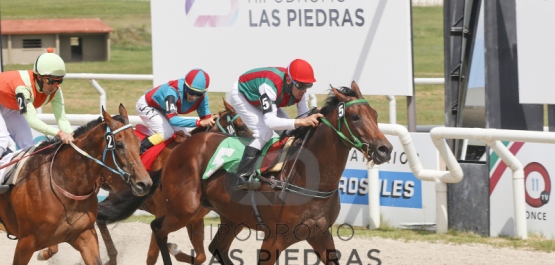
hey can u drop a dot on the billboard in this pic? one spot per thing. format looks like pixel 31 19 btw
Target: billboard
pixel 535 51
pixel 536 158
pixel 404 199
pixel 344 40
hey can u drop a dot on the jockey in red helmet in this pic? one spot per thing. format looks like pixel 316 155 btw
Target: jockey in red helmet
pixel 258 97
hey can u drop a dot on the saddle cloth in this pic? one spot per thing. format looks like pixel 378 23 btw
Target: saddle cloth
pixel 150 155
pixel 9 174
pixel 230 151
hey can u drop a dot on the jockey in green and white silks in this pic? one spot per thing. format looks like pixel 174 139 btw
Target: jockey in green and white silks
pixel 258 97
pixel 22 92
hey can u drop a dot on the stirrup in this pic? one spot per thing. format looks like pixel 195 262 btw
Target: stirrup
pixel 250 184
pixel 4 188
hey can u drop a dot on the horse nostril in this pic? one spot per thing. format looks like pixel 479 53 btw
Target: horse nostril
pixel 141 187
pixel 383 150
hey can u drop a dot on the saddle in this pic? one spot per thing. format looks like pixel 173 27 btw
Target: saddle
pixel 10 173
pixel 274 155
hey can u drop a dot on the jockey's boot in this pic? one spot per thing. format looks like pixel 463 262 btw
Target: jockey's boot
pixel 4 188
pixel 145 145
pixel 246 172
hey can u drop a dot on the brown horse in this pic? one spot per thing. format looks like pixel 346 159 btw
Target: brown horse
pixel 310 202
pixel 227 121
pixel 41 209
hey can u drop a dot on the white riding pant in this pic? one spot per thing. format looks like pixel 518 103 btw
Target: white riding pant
pixel 14 125
pixel 253 117
pixel 156 120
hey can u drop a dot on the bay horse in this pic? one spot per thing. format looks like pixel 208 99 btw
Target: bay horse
pixel 311 203
pixel 110 210
pixel 54 198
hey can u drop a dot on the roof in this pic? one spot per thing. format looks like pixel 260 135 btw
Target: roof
pixel 54 26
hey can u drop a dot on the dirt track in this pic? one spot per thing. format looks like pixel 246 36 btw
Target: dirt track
pixel 132 241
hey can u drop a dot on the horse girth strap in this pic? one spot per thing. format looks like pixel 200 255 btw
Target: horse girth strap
pixel 355 142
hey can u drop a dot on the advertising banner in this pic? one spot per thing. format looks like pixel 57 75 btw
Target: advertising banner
pixel 404 199
pixel 538 166
pixel 344 40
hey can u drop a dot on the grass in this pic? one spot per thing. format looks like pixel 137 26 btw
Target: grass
pixel 131 53
pixel 534 242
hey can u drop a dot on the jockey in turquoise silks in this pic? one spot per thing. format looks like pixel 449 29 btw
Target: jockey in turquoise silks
pixel 160 106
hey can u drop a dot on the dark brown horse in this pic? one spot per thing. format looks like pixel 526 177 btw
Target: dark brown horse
pixel 54 199
pixel 227 121
pixel 310 202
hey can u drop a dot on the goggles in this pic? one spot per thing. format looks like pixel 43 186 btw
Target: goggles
pixel 301 86
pixel 53 79
pixel 193 92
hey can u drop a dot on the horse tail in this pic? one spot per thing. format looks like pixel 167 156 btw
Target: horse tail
pixel 120 206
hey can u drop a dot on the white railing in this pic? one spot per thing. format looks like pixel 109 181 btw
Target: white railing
pixel 440 177
pixel 102 93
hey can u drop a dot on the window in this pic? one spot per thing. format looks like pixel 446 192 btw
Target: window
pixel 32 43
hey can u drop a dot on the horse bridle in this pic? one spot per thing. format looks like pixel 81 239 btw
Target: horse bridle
pixel 357 143
pixel 286 186
pixel 125 175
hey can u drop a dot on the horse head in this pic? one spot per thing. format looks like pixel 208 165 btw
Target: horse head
pixel 356 122
pixel 227 121
pixel 125 150
pixel 233 122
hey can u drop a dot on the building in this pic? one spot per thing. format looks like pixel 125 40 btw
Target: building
pixel 75 40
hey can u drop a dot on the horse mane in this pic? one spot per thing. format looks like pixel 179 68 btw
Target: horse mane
pixel 329 104
pixel 55 141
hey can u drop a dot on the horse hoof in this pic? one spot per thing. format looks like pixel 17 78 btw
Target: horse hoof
pixel 40 256
pixel 173 249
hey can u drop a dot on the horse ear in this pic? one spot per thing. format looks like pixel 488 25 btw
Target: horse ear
pixel 228 106
pixel 355 88
pixel 107 118
pixel 123 113
pixel 106 115
pixel 338 94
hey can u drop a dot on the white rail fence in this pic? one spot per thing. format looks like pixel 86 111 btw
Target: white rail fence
pixel 454 174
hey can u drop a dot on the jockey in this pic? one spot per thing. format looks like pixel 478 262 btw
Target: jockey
pixel 159 107
pixel 258 97
pixel 21 92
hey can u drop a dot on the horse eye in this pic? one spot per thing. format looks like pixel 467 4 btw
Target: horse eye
pixel 356 117
pixel 119 145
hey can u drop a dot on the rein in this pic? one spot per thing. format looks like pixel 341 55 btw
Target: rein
pixel 109 147
pixel 286 186
pixel 27 155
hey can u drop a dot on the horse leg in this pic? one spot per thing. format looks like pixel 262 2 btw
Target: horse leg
pixel 196 235
pixel 153 250
pixel 271 249
pixel 219 247
pixel 24 250
pixel 161 227
pixel 87 245
pixel 47 253
pixel 325 248
pixel 108 242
